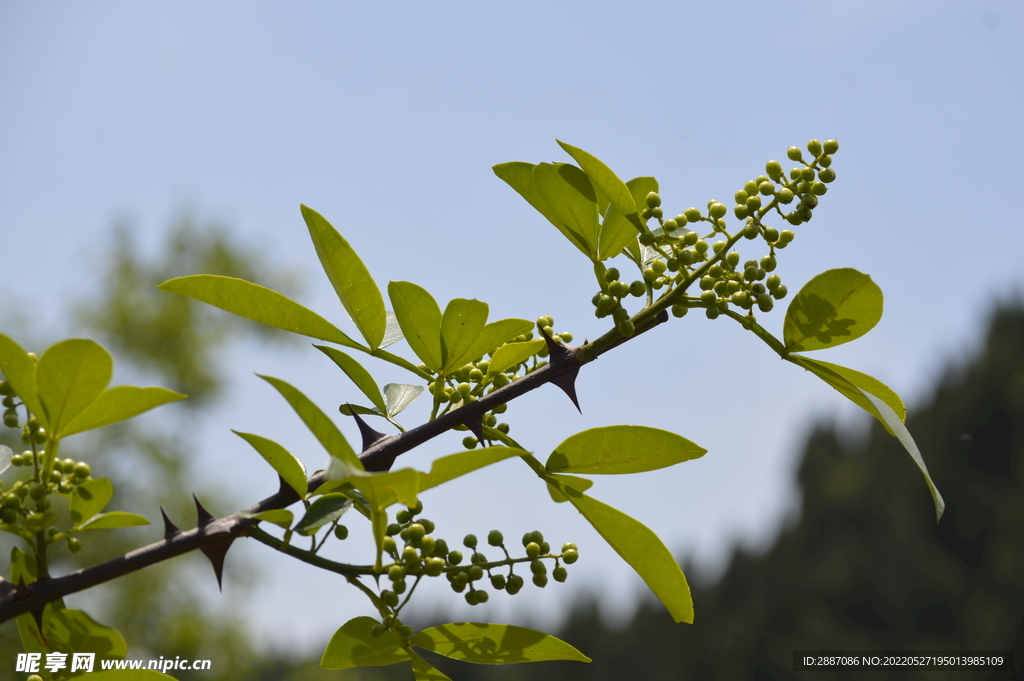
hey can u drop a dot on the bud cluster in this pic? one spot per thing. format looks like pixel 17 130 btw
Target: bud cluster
pixel 472 381
pixel 423 555
pixel 671 254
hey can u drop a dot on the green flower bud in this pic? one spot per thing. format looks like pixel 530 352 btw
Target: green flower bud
pixel 469 541
pixel 768 263
pixel 389 545
pixel 708 297
pixel 814 146
pixel 670 225
pixel 416 532
pixel 657 213
pixel 732 259
pixel 794 154
pixel 626 328
pixel 559 573
pixel 498 581
pixel 753 203
pixel 780 292
pixel 773 169
pixel 831 146
pixel 389 598
pixel 74 546
pixel 396 573
pixel 766 188
pixel 646 238
pixel 827 175
pixel 717 210
pixel 701 247
pixel 540 580
pixel 637 289
pixel 469 442
pixel 679 310
pixel 692 214
pixel 513 585
pixel 653 200
pixel 610 275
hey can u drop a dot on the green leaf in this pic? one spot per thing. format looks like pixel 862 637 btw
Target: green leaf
pixel 348 408
pixel 355 371
pixel 349 276
pixel 497 334
pixel 37 522
pixel 23 567
pixel 641 548
pixel 424 671
pixel 520 177
pixel 461 326
pixel 895 425
pixel 113 520
pixel 607 183
pixel 398 396
pixel 456 465
pixel 73 631
pixel 69 376
pixel 393 330
pixel 852 384
pixel 20 371
pixel 613 450
pixel 118 404
pixel 494 644
pixel 513 354
pixel 833 308
pixel 319 424
pixel 617 230
pixel 90 498
pixel 257 303
pixel 5 458
pixel 281 460
pixel 570 197
pixel 420 318
pixel 325 509
pixel 578 484
pixel 355 646
pixel 281 517
pixel 384 489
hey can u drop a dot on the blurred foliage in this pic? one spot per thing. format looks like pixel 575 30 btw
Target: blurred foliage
pixel 172 608
pixel 865 567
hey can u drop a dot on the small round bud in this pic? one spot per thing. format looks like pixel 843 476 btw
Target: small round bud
pixel 498 581
pixel 670 225
pixel 653 200
pixel 532 550
pixel 74 546
pixel 469 442
pixel 389 597
pixel 831 146
pixel 692 214
pixel 780 292
pixel 389 545
pixel 794 154
pixel 396 573
pixel 495 538
pixel 403 516
pixel 540 580
pixel 753 203
pixel 827 175
pixel 657 213
pixel 475 573
pixel 637 289
pixel 626 328
pixel 610 275
pixel 717 210
pixel 405 630
pixel 814 146
pixel 416 532
pixel 646 238
pixel 559 574
pixel 773 169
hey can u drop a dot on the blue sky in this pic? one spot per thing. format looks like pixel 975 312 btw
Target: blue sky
pixel 386 118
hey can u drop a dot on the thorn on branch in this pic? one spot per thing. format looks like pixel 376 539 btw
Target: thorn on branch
pixel 170 529
pixel 216 554
pixel 567 382
pixel 204 516
pixel 370 436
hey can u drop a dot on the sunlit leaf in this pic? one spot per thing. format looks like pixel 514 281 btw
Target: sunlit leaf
pixel 456 465
pixel 420 319
pixel 833 308
pixel 5 458
pixel 281 460
pixel 607 183
pixel 118 404
pixel 393 330
pixel 257 303
pixel 20 372
pixel 319 424
pixel 578 484
pixel 355 371
pixel 281 517
pixel 24 569
pixel 354 645
pixel 612 450
pixel 513 354
pixel 520 177
pixel 494 644
pixel 461 325
pixel 497 334
pixel 398 396
pixel 570 197
pixel 349 276
pixel 37 522
pixel 326 509
pixel 347 409
pixel 903 435
pixel 852 385
pixel 73 631
pixel 113 520
pixel 424 671
pixel 641 548
pixel 89 498
pixel 70 375
pixel 617 230
pixel 384 489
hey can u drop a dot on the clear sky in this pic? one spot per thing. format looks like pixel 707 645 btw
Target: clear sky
pixel 386 118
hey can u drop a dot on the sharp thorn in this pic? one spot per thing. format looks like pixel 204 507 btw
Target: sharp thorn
pixel 476 425
pixel 170 529
pixel 370 436
pixel 558 352
pixel 567 382
pixel 216 554
pixel 204 516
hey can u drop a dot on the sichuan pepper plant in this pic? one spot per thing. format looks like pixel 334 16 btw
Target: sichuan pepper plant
pixel 470 370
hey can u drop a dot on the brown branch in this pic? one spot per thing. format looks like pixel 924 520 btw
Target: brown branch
pixel 216 533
